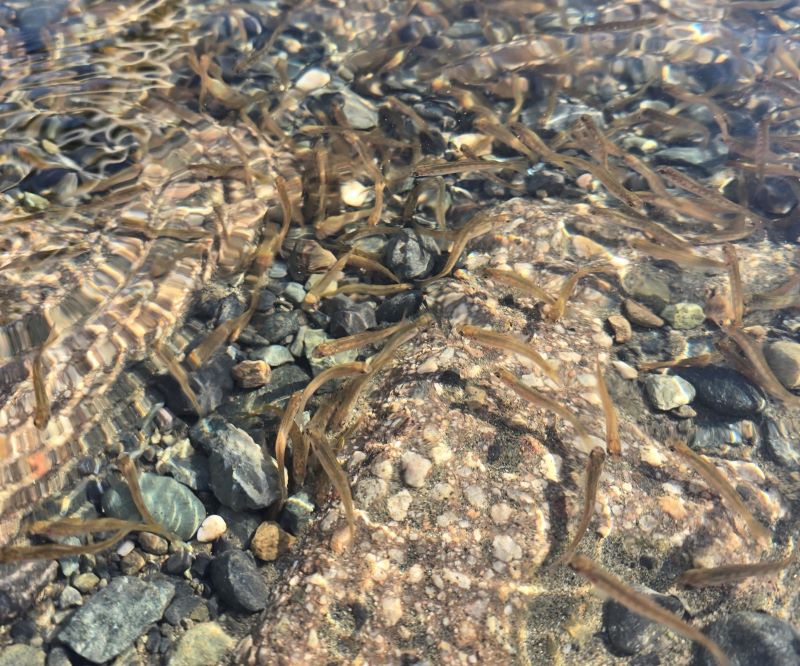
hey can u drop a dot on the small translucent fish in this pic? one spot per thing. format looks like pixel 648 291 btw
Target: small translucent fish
pixel 690 185
pixel 373 289
pixel 733 573
pixel 507 344
pixel 737 294
pixel 367 264
pixel 315 293
pixel 512 279
pixel 559 306
pixel 540 400
pixel 333 470
pixel 690 362
pixel 643 605
pixel 358 340
pixel 41 414
pixel 594 469
pixel 612 425
pixel 684 258
pixel 467 166
pixel 714 478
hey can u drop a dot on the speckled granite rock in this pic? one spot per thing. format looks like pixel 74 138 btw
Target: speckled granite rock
pixel 449 570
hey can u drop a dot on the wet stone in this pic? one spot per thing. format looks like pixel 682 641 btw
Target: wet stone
pixel 641 315
pixel 782 444
pixel 58 657
pixel 399 307
pixel 85 582
pixel 689 156
pixel 185 464
pixel 113 618
pixel 22 655
pixel 251 374
pixel 153 544
pixel 784 359
pixel 172 504
pixel 274 355
pixel 314 337
pixel 621 328
pixel 69 598
pixel 647 285
pixel 411 256
pixel 280 325
pixel 270 542
pixel 684 316
pixel 177 563
pixel 238 583
pixel 296 513
pixel 203 644
pixel 668 392
pixel 753 638
pixel 717 435
pixel 241 525
pixel 242 477
pixel 630 633
pixel 186 607
pixel 283 381
pixel 211 384
pixel 355 318
pixel 724 390
pixel 294 293
pixel 132 563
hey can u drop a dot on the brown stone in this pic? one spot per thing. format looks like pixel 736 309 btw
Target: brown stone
pixel 270 541
pixel 251 374
pixel 621 328
pixel 641 315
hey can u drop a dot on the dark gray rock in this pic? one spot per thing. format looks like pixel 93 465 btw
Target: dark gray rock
pixel 242 477
pixel 177 563
pixel 782 444
pixel 283 381
pixel 211 384
pixel 186 607
pixel 266 300
pixel 630 633
pixel 237 582
pixel 725 390
pixel 20 583
pixel 296 513
pixel 411 256
pixel 172 504
pixel 185 464
pixel 355 318
pixel 749 638
pixel 399 307
pixel 277 326
pixel 113 618
pixel 714 435
pixel 241 525
pixel 58 657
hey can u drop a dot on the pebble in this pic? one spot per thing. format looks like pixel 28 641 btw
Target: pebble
pixel 784 359
pixel 725 391
pixel 185 464
pixel 641 315
pixel 242 476
pixel 211 384
pixel 186 607
pixel 153 544
pixel 354 193
pixel 398 504
pixel 294 293
pixel 85 582
pixel 751 638
pixel 241 525
pixel 172 504
pixel 251 374
pixel 22 655
pixel 415 469
pixel 312 79
pixel 132 563
pixel 58 657
pixel 684 316
pixel 270 541
pixel 112 619
pixel 296 513
pixel 399 307
pixel 237 582
pixel 631 633
pixel 647 285
pixel 125 547
pixel 274 355
pixel 69 598
pixel 177 563
pixel 668 391
pixel 709 436
pixel 355 318
pixel 782 445
pixel 278 326
pixel 212 528
pixel 411 256
pixel 282 383
pixel 316 337
pixel 621 328
pixel 505 548
pixel 202 645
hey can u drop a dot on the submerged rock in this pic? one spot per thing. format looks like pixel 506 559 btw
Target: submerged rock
pixel 238 583
pixel 630 633
pixel 725 390
pixel 668 391
pixel 113 618
pixel 750 638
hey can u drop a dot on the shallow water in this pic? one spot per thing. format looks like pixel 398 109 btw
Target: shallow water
pixel 141 144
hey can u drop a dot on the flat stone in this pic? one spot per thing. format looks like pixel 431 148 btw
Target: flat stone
pixel 784 359
pixel 186 607
pixel 641 315
pixel 621 328
pixel 172 504
pixel 85 582
pixel 753 638
pixel 709 436
pixel 296 513
pixel 270 541
pixel 647 285
pixel 113 618
pixel 242 476
pixel 668 391
pixel 355 318
pixel 153 544
pixel 294 293
pixel 274 355
pixel 185 464
pixel 237 582
pixel 631 633
pixel 724 390
pixel 202 645
pixel 684 316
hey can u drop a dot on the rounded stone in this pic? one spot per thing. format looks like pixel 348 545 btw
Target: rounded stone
pixel 270 541
pixel 411 256
pixel 630 633
pixel 684 316
pixel 725 391
pixel 203 644
pixel 85 582
pixel 237 582
pixel 212 528
pixel 668 392
pixel 784 359
pixel 415 469
pixel 172 504
pixel 750 637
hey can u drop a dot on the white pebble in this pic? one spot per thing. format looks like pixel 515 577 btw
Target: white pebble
pixel 354 193
pixel 312 80
pixel 125 547
pixel 415 469
pixel 213 527
pixel 505 548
